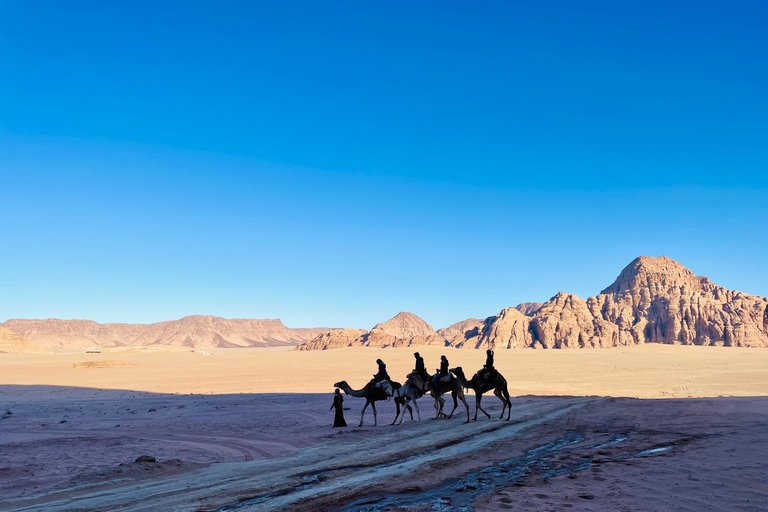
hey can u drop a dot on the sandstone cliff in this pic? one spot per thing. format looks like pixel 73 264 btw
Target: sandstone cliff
pixel 528 308
pixel 459 331
pixel 336 338
pixel 193 331
pixel 654 300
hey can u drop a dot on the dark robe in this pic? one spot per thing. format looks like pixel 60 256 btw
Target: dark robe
pixel 489 361
pixel 443 367
pixel 382 374
pixel 338 403
pixel 421 369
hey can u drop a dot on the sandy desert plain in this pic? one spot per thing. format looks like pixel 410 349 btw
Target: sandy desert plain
pixel 648 427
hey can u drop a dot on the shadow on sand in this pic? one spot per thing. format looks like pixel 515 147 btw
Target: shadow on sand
pixel 61 447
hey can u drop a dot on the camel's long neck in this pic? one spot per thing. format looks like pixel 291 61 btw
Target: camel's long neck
pixel 463 381
pixel 354 392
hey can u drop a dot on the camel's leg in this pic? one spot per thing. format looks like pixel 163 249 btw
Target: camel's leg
pixel 397 413
pixel 438 406
pixel 402 417
pixel 478 405
pixel 455 405
pixel 481 408
pixel 509 402
pixel 418 412
pixel 362 413
pixel 466 405
pixel 410 410
pixel 498 392
pixel 441 401
pixel 373 406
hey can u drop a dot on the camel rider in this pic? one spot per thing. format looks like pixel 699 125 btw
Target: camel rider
pixel 382 374
pixel 420 369
pixel 490 371
pixel 443 369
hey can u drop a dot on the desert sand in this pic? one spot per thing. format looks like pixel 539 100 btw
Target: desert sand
pixel 649 427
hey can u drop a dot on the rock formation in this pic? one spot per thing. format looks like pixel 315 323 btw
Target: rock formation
pixel 193 331
pixel 403 326
pixel 460 328
pixel 528 308
pixel 336 338
pixel 654 300
pixel 402 330
pixel 12 343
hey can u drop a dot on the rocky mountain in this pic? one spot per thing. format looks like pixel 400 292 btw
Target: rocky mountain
pixel 654 300
pixel 12 343
pixel 528 308
pixel 193 331
pixel 460 328
pixel 458 333
pixel 403 326
pixel 336 338
pixel 402 330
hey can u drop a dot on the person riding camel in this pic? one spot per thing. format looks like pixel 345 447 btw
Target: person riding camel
pixel 488 370
pixel 443 370
pixel 381 375
pixel 420 369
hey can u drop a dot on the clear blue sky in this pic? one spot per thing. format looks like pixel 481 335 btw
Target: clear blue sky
pixel 334 163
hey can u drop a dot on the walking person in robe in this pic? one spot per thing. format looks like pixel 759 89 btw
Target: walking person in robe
pixel 338 404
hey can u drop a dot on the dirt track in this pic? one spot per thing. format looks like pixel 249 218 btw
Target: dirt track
pixel 556 453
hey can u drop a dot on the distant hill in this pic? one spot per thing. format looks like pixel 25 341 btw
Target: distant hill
pixel 402 330
pixel 654 300
pixel 12 343
pixel 198 331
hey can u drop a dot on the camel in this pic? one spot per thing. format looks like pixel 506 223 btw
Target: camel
pixel 455 388
pixel 372 395
pixel 498 384
pixel 413 389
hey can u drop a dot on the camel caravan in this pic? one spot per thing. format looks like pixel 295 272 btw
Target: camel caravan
pixel 419 383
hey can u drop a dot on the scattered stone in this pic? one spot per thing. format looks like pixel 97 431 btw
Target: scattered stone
pixel 146 458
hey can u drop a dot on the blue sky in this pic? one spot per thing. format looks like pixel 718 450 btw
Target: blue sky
pixel 334 163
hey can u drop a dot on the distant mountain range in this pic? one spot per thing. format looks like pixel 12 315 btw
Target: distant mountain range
pixel 198 331
pixel 654 300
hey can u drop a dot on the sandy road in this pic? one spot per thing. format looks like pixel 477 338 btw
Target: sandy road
pixel 318 476
pixel 557 453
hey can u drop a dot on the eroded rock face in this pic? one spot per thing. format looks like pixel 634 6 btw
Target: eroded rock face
pixel 461 331
pixel 654 300
pixel 337 338
pixel 528 308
